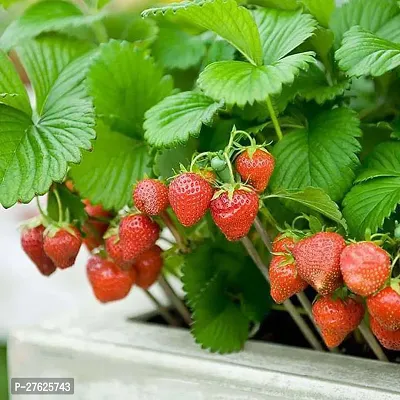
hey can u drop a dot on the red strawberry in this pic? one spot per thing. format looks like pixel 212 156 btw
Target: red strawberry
pixel 365 267
pixel 137 233
pixel 151 196
pixel 109 282
pixel 95 227
pixel 235 215
pixel 190 195
pixel 318 261
pixel 337 318
pixel 285 281
pixel 148 267
pixel 255 169
pixel 63 246
pixel 388 339
pixel 283 244
pixel 114 250
pixel 32 243
pixel 385 308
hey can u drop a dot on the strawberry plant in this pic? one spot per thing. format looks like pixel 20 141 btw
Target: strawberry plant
pixel 226 125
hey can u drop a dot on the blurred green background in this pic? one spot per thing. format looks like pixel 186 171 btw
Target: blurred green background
pixel 3 373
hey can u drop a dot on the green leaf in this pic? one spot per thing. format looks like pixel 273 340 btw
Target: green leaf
pixel 363 53
pixel 178 49
pixel 12 90
pixel 106 175
pixel 376 16
pixel 45 58
pixel 374 199
pixel 220 282
pixel 33 154
pixel 167 162
pixel 219 50
pixel 239 83
pixel 282 31
pixel 322 42
pixel 45 16
pixel 224 17
pixel 176 118
pixel 131 27
pixel 313 199
pixel 71 204
pixel 324 155
pixel 280 4
pixel 320 9
pixel 218 323
pixel 125 82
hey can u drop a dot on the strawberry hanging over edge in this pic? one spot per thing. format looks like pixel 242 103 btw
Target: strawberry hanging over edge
pixel 385 307
pixel 115 250
pixel 147 267
pixel 365 267
pixel 150 196
pixel 32 243
pixel 62 245
pixel 337 318
pixel 108 281
pixel 234 211
pixel 190 196
pixel 388 339
pixel 255 166
pixel 318 261
pixel 137 233
pixel 284 278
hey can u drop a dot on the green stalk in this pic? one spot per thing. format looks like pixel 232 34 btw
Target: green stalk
pixel 274 119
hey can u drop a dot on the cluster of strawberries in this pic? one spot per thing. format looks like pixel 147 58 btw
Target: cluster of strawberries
pixel 325 262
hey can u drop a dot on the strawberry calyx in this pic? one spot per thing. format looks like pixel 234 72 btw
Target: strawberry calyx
pixel 230 189
pixel 112 231
pixel 289 259
pixel 395 285
pixel 53 228
pixel 34 223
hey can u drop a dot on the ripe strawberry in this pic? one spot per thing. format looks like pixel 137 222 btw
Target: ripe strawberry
pixel 255 169
pixel 148 267
pixel 318 261
pixel 285 281
pixel 235 215
pixel 283 244
pixel 388 339
pixel 190 195
pixel 62 246
pixel 151 196
pixel 108 281
pixel 32 243
pixel 114 250
pixel 337 318
pixel 137 233
pixel 95 227
pixel 365 267
pixel 385 308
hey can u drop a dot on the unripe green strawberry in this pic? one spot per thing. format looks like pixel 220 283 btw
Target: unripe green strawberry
pixel 365 267
pixel 235 214
pixel 284 279
pixel 108 281
pixel 388 339
pixel 337 318
pixel 255 168
pixel 190 195
pixel 318 261
pixel 151 196
pixel 385 308
pixel 62 246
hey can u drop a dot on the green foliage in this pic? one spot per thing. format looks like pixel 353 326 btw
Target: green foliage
pixel 377 192
pixel 320 9
pixel 125 82
pixel 107 175
pixel 34 153
pixel 172 121
pixel 323 155
pixel 226 291
pixel 45 16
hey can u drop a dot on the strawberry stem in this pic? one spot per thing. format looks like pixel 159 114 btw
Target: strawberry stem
pixel 60 210
pixel 175 300
pixel 372 342
pixel 229 165
pixel 291 309
pixel 162 310
pixel 42 213
pixel 274 119
pixel 179 239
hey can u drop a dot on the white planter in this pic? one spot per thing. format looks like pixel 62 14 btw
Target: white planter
pixel 114 359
